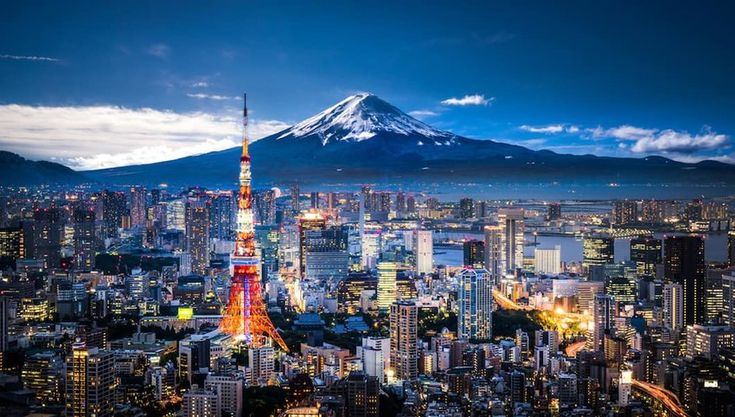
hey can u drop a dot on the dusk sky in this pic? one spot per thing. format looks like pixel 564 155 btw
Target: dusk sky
pixel 99 84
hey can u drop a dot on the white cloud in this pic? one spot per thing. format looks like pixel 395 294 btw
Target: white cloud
pixel 624 132
pixel 202 96
pixel 159 50
pixel 667 141
pixel 550 129
pixel 470 100
pixel 200 84
pixel 93 137
pixel 29 58
pixel 422 113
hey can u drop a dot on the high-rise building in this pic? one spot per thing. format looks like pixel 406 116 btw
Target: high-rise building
pixel 137 206
pixel 731 248
pixel 598 250
pixel 475 299
pixel 474 253
pixel 547 261
pixel 624 212
pixel 43 373
pixel 113 211
pixel 200 402
pixel 295 196
pixel 48 225
pixel 567 389
pixel 375 355
pixel 466 208
pixel 314 198
pixel 197 235
pixel 646 252
pixel 265 207
pixel 12 243
pixel 602 315
pixel 586 292
pixel 494 252
pixel 684 264
pixel 85 239
pixel 400 202
pixel 424 251
pixel 222 216
pixel 517 387
pixel 386 285
pixel 511 223
pixel 194 354
pixel 706 341
pixel 403 338
pixel 229 392
pixel 713 294
pixel 326 253
pixel 673 312
pixel 624 387
pixel 553 212
pixel 361 394
pixel 728 299
pixel 262 364
pixel 309 221
pixel 90 382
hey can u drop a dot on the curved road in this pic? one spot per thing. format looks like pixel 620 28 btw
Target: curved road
pixel 666 397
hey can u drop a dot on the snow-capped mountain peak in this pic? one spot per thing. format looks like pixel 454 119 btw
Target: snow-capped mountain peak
pixel 361 117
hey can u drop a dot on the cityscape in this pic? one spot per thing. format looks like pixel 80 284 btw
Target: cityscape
pixel 364 261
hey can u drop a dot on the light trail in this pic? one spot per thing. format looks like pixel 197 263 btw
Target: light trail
pixel 666 397
pixel 574 348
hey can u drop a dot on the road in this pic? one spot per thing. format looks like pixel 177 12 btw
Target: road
pixel 667 398
pixel 572 349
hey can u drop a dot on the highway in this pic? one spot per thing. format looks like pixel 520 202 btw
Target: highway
pixel 666 397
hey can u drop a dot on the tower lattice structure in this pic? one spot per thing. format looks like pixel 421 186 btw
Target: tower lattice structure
pixel 246 315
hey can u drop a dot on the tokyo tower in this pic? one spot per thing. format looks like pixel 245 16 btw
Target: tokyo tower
pixel 246 316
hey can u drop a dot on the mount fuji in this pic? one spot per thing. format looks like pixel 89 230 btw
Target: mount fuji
pixel 363 139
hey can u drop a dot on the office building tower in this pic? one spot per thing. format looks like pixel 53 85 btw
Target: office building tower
pixel 684 264
pixel 410 204
pixel 646 252
pixel 176 215
pixel 466 208
pixel 375 355
pixel 85 239
pixel 553 212
pixel 624 212
pixel 197 235
pixel 567 389
pixel 547 261
pixel 370 244
pixel 512 228
pixel 12 243
pixel 310 221
pixel 229 392
pixel 403 338
pixel 586 292
pixel 265 207
pixel 517 387
pixel 314 198
pixel 713 295
pixel 194 354
pixel 624 387
pixel 113 211
pixel 43 373
pixel 332 201
pixel 731 248
pixel 137 206
pixel 326 253
pixel 494 252
pixel 622 289
pixel 693 211
pixel 199 402
pixel 474 253
pixel 48 226
pixel 222 216
pixel 360 393
pixel 400 202
pixel 602 316
pixel 267 237
pixel 424 251
pixel 728 299
pixel 4 318
pixel 475 299
pixel 90 382
pixel 706 341
pixel 295 196
pixel 262 364
pixel 597 250
pixel 386 285
pixel 673 306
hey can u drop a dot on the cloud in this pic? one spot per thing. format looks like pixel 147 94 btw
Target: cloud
pixel 666 141
pixel 200 84
pixel 470 100
pixel 159 50
pixel 623 132
pixel 93 137
pixel 550 129
pixel 422 113
pixel 29 58
pixel 202 96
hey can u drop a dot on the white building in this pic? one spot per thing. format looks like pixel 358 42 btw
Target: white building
pixel 229 392
pixel 375 355
pixel 200 403
pixel 262 364
pixel 547 261
pixel 673 306
pixel 511 222
pixel 424 251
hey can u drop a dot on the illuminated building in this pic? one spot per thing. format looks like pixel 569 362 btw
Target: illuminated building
pixel 222 216
pixel 85 239
pixel 12 243
pixel 706 341
pixel 466 208
pixel 4 317
pixel 553 212
pixel 375 355
pixel 246 314
pixel 598 250
pixel 350 290
pixel 403 336
pixel 197 235
pixel 199 402
pixel 34 309
pixel 567 389
pixel 646 253
pixel 370 243
pixel 673 305
pixel 314 198
pixel 602 314
pixel 310 221
pixel 493 252
pixel 43 373
pixel 728 299
pixel 361 394
pixel 113 211
pixel 265 207
pixel 295 196
pixel 90 382
pixel 386 284
pixel 713 294
pixel 684 264
pixel 405 287
pixel 731 248
pixel 229 392
pixel 586 291
pixel 512 228
pixel 475 299
pixel 137 206
pixel 624 387
pixel 268 240
pixel 622 289
pixel 47 228
pixel 176 215
pixel 326 255
pixel 194 354
pixel 624 212
pixel 547 261
pixel 474 253
pixel 424 252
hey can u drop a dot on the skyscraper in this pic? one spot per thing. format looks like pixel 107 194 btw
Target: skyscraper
pixel 48 225
pixel 403 337
pixel 494 252
pixel 673 306
pixel 197 235
pixel 314 198
pixel 602 315
pixel 646 253
pixel 684 264
pixel 475 299
pixel 728 299
pixel 474 253
pixel 553 212
pixel 222 216
pixel 137 206
pixel 90 382
pixel 624 212
pixel 512 225
pixel 265 207
pixel 85 239
pixel 309 221
pixel 12 243
pixel 386 285
pixel 113 211
pixel 466 208
pixel 424 252
pixel 598 250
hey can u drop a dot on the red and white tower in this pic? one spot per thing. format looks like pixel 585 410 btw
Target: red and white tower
pixel 246 315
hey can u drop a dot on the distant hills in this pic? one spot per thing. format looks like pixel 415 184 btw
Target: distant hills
pixel 16 170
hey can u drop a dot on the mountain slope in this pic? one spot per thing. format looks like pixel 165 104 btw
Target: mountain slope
pixel 365 139
pixel 16 170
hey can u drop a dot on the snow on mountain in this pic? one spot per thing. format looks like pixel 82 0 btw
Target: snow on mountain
pixel 361 117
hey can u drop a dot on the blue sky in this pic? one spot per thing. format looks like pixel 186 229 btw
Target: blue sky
pixel 94 85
